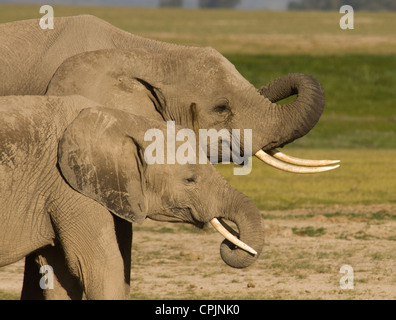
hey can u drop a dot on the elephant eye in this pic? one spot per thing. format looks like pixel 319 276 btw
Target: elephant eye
pixel 222 108
pixel 192 179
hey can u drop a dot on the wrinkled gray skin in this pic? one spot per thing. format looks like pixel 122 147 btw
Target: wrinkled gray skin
pixel 65 162
pixel 196 87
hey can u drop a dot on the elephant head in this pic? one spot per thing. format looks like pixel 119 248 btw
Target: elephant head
pixel 102 154
pixel 200 89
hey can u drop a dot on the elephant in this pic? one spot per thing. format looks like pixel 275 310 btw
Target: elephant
pixel 196 87
pixel 70 168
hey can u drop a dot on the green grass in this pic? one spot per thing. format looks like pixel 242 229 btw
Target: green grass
pixel 8 296
pixel 365 177
pixel 375 216
pixel 360 96
pixel 309 231
pixel 355 85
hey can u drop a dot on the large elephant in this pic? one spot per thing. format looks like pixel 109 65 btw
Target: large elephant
pixel 196 86
pixel 65 162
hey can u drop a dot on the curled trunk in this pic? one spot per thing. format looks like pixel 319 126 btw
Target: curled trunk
pixel 243 212
pixel 293 120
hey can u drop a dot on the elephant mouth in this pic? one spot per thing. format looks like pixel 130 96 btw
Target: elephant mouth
pixel 288 163
pixel 177 215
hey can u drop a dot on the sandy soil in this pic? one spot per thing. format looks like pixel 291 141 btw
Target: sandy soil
pixel 175 261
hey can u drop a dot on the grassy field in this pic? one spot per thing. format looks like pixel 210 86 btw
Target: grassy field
pixel 365 177
pixel 360 98
pixel 251 32
pixel 350 212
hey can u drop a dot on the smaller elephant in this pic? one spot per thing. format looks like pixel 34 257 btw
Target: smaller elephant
pixel 69 168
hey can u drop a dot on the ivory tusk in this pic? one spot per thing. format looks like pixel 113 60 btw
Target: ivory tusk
pixel 301 162
pixel 226 234
pixel 290 167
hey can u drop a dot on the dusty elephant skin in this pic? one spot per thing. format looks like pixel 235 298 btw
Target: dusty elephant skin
pixel 72 170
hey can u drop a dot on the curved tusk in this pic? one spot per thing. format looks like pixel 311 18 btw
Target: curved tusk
pixel 226 234
pixel 290 167
pixel 301 162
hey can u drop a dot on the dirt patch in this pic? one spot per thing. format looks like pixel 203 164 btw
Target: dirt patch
pixel 302 257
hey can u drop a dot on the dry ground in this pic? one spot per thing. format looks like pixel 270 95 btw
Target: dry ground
pixel 302 257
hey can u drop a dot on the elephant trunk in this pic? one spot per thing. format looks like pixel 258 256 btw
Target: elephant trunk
pixel 243 212
pixel 291 121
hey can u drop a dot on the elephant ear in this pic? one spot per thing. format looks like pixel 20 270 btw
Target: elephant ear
pixel 98 159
